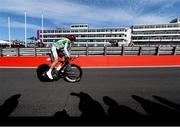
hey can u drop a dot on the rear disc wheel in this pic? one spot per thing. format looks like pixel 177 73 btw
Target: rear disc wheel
pixel 41 73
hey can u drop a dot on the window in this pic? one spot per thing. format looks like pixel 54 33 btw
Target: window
pixel 98 30
pixel 102 30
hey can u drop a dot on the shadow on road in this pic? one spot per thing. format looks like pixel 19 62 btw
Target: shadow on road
pixel 158 111
pixel 155 112
pixel 9 105
pixel 161 112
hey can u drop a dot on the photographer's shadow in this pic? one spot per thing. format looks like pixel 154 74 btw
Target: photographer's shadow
pixel 156 111
pixel 93 110
pixel 9 106
pixel 120 112
pixel 90 108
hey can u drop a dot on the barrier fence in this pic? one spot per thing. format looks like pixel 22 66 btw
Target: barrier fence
pixel 88 51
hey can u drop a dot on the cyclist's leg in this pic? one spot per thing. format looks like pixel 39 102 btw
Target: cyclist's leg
pixel 61 54
pixel 55 55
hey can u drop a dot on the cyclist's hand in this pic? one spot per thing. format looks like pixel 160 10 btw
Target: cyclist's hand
pixel 67 58
pixel 74 57
pixel 71 58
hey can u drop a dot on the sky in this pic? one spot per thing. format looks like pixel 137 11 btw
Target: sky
pixel 96 13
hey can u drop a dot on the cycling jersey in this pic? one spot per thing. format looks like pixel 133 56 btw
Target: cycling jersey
pixel 62 45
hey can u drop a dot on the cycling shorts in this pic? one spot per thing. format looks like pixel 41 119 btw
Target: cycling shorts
pixel 57 52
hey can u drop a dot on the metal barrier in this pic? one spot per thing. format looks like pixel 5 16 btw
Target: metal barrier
pixel 136 50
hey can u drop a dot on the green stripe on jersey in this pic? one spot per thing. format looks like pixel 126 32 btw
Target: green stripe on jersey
pixel 60 43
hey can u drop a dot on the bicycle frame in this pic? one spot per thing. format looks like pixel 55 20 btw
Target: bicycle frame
pixel 64 63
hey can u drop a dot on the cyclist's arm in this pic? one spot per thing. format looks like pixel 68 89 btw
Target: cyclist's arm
pixel 66 50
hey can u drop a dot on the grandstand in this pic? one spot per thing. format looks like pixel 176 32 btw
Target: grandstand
pixel 157 34
pixel 149 34
pixel 88 36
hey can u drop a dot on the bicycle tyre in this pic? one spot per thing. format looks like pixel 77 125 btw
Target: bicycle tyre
pixel 69 78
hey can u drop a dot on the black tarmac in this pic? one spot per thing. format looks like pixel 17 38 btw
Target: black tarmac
pixel 45 99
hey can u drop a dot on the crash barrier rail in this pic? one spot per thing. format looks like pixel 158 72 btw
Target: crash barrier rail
pixel 87 51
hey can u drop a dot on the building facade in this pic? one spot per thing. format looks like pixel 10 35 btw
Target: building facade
pixel 87 36
pixel 150 34
pixel 157 34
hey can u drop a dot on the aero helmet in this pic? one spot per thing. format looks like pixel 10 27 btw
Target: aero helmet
pixel 71 37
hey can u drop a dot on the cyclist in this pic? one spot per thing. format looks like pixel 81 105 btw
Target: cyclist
pixel 60 47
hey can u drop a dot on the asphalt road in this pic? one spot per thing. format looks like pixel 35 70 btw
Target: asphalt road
pixel 44 99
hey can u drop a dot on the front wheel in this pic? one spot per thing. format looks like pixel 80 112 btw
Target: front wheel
pixel 73 73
